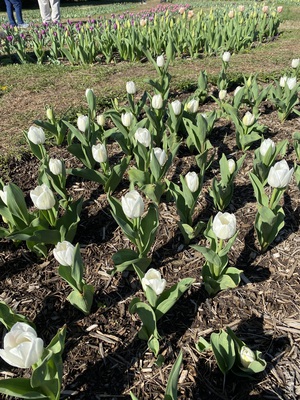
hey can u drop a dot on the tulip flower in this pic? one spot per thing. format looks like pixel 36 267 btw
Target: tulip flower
pixel 192 106
pixel 49 113
pixel 157 101
pixel 222 94
pixel 224 225
pixel 22 347
pixel 231 14
pixel 246 356
pixel 99 152
pixel 248 119
pixel 231 165
pixel 160 155
pixel 88 91
pixel 127 118
pixel 295 63
pixel 280 175
pixel 55 166
pixel 265 145
pixel 101 119
pixel 237 89
pixel 226 56
pixel 3 194
pixel 143 136
pixel 36 135
pixel 241 8
pixel 160 61
pixel 130 87
pixel 42 197
pixel 282 81
pixel 143 22
pixel 291 82
pixel 190 14
pixel 132 204
pixel 265 9
pixel 176 106
pixel 83 123
pixel 154 280
pixel 64 253
pixel 192 181
pixel 279 9
pixel 181 10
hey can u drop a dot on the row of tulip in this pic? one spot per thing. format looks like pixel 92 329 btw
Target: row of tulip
pixel 125 38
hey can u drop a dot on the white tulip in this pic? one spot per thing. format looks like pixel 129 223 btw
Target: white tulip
pixel 3 194
pixel 282 81
pixel 248 119
pixel 42 197
pixel 291 82
pixel 280 175
pixel 36 135
pixel 160 61
pixel 143 136
pixel 99 152
pixel 295 62
pixel 154 280
pixel 246 356
pixel 22 347
pixel 224 225
pixel 176 106
pixel 83 123
pixel 101 119
pixel 64 253
pixel 222 94
pixel 265 146
pixel 88 92
pixel 132 204
pixel 237 89
pixel 192 181
pixel 55 166
pixel 226 56
pixel 231 165
pixel 157 101
pixel 160 155
pixel 130 87
pixel 127 118
pixel 192 106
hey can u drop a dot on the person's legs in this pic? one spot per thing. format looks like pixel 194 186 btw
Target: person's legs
pixel 10 14
pixel 55 6
pixel 45 10
pixel 18 9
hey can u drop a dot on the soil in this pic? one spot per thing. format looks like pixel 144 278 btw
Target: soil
pixel 103 357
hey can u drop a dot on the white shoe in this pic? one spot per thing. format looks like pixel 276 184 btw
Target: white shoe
pixel 24 26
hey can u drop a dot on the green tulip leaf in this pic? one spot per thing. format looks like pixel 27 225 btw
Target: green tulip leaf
pixel 21 388
pixel 171 389
pixel 224 350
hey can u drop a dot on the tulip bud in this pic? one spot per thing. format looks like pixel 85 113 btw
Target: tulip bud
pixel 265 9
pixel 127 118
pixel 248 119
pixel 99 152
pixel 222 94
pixel 279 9
pixel 101 120
pixel 49 113
pixel 83 123
pixel 265 145
pixel 231 14
pixel 192 106
pixel 176 106
pixel 157 101
pixel 282 81
pixel 192 181
pixel 130 87
pixel 241 8
pixel 295 62
pixel 237 89
pixel 224 225
pixel 42 197
pixel 22 347
pixel 36 135
pixel 291 82
pixel 143 136
pixel 181 10
pixel 190 14
pixel 231 166
pixel 246 356
pixel 280 175
pixel 3 194
pixel 160 61
pixel 154 280
pixel 132 204
pixel 143 22
pixel 64 253
pixel 160 155
pixel 55 166
pixel 226 56
pixel 89 92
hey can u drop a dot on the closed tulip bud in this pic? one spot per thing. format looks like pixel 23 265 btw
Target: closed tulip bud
pixel 143 136
pixel 192 181
pixel 181 10
pixel 224 225
pixel 226 56
pixel 237 89
pixel 127 118
pixel 101 119
pixel 222 94
pixel 248 119
pixel 132 204
pixel 157 101
pixel 42 197
pixel 241 8
pixel 176 106
pixel 55 166
pixel 279 9
pixel 154 280
pixel 83 123
pixel 295 62
pixel 22 347
pixel 265 9
pixel 36 135
pixel 231 166
pixel 280 175
pixel 160 155
pixel 190 14
pixel 89 92
pixel 130 87
pixel 99 152
pixel 265 146
pixel 291 82
pixel 3 194
pixel 143 22
pixel 231 14
pixel 49 113
pixel 192 106
pixel 246 356
pixel 282 81
pixel 160 61
pixel 64 253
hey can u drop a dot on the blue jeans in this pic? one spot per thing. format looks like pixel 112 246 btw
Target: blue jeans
pixel 12 5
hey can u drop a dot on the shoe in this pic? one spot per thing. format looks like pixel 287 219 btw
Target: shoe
pixel 24 26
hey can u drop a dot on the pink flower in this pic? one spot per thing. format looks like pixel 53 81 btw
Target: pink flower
pixel 231 14
pixel 181 10
pixel 279 9
pixel 190 14
pixel 265 9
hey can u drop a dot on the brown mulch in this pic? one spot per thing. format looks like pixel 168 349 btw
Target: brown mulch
pixel 103 357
